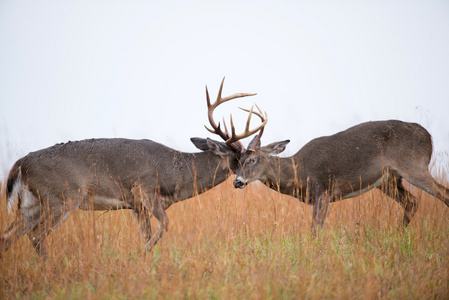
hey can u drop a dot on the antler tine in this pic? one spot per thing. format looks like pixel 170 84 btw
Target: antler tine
pixel 207 97
pixel 249 118
pixel 220 90
pixel 261 127
pixel 221 100
pixel 225 127
pixel 236 137
pixel 259 114
pixel 229 142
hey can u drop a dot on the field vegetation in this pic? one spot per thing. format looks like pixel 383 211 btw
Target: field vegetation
pixel 252 243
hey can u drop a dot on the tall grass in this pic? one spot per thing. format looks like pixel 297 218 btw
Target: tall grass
pixel 252 243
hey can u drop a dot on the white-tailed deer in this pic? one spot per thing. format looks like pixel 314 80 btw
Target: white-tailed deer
pixel 347 164
pixel 110 174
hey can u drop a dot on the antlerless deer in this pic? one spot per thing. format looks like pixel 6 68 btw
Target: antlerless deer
pixel 347 164
pixel 109 174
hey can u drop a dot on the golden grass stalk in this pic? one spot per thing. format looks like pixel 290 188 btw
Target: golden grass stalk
pixel 252 243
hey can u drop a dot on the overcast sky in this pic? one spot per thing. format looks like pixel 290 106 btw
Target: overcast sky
pixel 72 70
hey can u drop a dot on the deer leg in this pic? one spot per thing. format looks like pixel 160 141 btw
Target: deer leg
pixel 37 227
pixel 47 224
pixel 426 182
pixel 320 206
pixel 142 216
pixel 407 200
pixel 159 214
pixel 50 217
pixel 37 237
pixel 11 235
pixel 26 219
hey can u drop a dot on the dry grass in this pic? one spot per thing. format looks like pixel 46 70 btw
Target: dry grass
pixel 252 243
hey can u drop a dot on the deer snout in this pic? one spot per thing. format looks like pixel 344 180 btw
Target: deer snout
pixel 239 184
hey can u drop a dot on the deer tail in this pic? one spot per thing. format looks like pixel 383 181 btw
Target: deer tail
pixel 13 186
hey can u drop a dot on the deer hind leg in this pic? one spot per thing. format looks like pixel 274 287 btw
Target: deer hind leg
pixel 48 221
pixel 34 223
pixel 41 219
pixel 395 189
pixel 27 218
pixel 320 207
pixel 14 231
pixel 426 182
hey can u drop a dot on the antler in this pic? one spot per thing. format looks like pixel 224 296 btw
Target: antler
pixel 264 120
pixel 232 140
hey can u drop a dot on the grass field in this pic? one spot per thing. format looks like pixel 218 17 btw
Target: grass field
pixel 252 243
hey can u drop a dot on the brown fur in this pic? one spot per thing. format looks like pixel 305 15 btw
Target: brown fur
pixel 141 175
pixel 347 163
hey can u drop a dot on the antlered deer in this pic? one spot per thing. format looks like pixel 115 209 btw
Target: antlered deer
pixel 347 164
pixel 109 174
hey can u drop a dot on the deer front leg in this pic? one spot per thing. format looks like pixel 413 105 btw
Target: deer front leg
pixel 160 215
pixel 320 206
pixel 142 216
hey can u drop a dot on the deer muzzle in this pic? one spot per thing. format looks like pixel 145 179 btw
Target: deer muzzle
pixel 239 183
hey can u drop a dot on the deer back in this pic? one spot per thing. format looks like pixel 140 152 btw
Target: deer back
pixel 364 151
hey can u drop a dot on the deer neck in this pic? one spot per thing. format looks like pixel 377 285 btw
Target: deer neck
pixel 200 172
pixel 212 170
pixel 285 177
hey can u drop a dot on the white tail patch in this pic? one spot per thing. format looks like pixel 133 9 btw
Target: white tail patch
pixel 13 197
pixel 21 190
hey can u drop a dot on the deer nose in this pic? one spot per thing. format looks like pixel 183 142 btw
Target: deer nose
pixel 238 184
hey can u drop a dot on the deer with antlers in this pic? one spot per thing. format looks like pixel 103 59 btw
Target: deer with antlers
pixel 109 174
pixel 370 155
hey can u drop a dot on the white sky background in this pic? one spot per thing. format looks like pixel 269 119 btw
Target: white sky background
pixel 72 70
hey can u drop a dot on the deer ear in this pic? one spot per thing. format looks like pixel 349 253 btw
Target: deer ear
pixel 250 145
pixel 200 143
pixel 217 148
pixel 275 148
